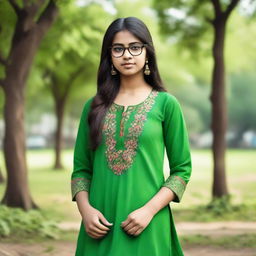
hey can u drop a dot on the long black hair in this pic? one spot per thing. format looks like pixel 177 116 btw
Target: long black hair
pixel 107 84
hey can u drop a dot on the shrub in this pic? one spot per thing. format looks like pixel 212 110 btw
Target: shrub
pixel 17 222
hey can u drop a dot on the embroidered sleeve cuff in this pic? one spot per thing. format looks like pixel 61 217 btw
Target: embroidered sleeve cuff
pixel 177 185
pixel 79 184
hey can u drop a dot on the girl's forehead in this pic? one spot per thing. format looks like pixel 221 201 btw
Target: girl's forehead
pixel 125 37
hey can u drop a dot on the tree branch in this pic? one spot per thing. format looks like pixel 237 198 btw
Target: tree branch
pixel 1 82
pixel 34 7
pixel 54 87
pixel 217 7
pixel 209 20
pixel 25 3
pixel 49 14
pixel 3 60
pixel 15 6
pixel 230 7
pixel 52 84
pixel 71 80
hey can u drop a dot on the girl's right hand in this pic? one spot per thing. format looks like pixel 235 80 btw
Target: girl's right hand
pixel 93 226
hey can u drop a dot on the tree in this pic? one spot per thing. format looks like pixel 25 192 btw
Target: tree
pixel 33 19
pixel 67 63
pixel 60 91
pixel 218 96
pixel 189 21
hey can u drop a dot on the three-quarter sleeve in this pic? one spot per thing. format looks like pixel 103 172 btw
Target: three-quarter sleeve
pixel 177 148
pixel 82 158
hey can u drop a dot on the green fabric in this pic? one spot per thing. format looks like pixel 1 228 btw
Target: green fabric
pixel 126 171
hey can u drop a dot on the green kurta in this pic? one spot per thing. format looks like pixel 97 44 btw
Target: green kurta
pixel 126 171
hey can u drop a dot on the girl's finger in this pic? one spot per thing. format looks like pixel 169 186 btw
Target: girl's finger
pixel 129 226
pixel 95 234
pixel 101 226
pixel 98 231
pixel 125 223
pixel 133 229
pixel 138 232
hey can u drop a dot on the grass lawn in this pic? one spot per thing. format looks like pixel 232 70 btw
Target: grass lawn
pixel 50 188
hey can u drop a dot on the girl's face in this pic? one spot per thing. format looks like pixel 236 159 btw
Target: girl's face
pixel 124 39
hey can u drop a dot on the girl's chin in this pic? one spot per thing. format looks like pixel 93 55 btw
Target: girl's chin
pixel 130 71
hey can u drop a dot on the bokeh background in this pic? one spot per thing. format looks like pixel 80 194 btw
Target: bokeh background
pixel 49 55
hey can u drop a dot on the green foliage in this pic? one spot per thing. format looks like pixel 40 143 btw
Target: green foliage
pixel 7 23
pixel 240 51
pixel 219 210
pixel 189 22
pixel 197 112
pixel 73 40
pixel 242 102
pixel 185 22
pixel 220 206
pixel 67 60
pixel 17 222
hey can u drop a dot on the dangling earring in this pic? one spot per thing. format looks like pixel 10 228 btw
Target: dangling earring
pixel 113 71
pixel 147 70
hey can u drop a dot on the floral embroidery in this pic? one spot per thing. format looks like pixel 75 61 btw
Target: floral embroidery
pixel 177 185
pixel 79 184
pixel 125 117
pixel 121 160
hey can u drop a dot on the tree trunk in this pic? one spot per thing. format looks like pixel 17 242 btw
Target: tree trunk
pixel 26 39
pixel 59 109
pixel 17 192
pixel 1 177
pixel 60 93
pixel 219 110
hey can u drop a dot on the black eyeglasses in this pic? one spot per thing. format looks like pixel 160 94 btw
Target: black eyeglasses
pixel 134 49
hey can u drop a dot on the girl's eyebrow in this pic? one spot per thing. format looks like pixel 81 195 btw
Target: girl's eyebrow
pixel 128 44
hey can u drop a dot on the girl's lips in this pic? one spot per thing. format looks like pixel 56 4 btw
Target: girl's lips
pixel 128 64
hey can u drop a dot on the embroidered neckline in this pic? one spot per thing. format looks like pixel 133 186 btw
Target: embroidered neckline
pixel 121 160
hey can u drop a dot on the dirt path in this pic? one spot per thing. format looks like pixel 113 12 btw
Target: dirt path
pixel 63 248
pixel 229 228
pixel 208 251
pixel 53 248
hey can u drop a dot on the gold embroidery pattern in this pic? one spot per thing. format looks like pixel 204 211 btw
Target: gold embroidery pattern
pixel 177 185
pixel 79 184
pixel 121 160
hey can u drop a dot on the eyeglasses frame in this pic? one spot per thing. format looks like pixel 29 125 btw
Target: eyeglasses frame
pixel 142 45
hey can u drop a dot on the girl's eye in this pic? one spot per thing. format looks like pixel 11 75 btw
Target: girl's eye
pixel 135 47
pixel 118 49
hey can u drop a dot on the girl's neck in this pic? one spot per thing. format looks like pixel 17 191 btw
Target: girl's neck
pixel 130 84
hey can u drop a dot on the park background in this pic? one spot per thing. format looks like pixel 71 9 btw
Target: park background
pixel 49 55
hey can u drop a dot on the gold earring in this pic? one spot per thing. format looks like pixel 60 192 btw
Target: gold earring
pixel 113 71
pixel 147 70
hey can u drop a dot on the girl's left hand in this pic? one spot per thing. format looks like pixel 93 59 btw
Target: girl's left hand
pixel 137 221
